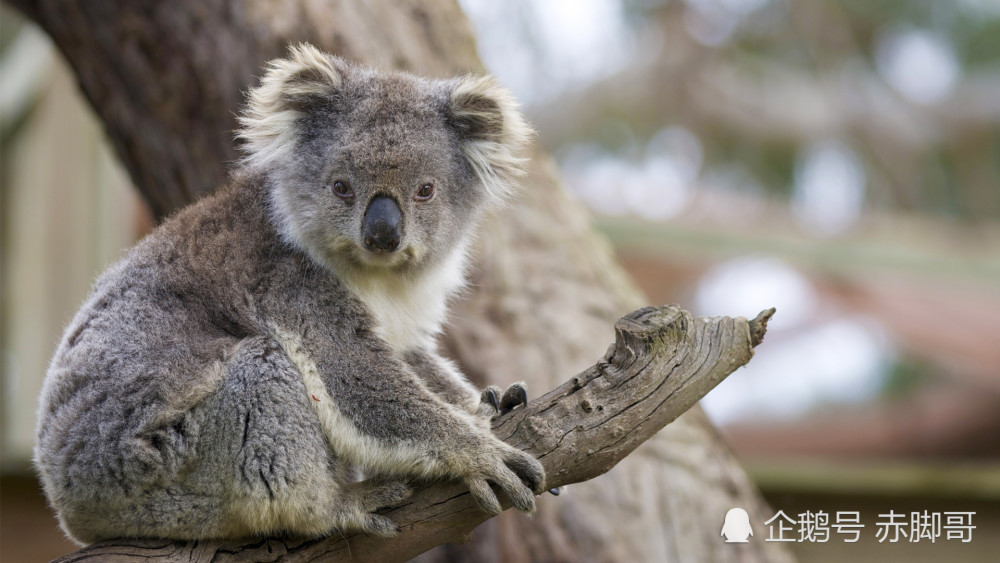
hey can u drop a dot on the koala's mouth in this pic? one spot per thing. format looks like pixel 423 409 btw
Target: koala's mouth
pixel 400 256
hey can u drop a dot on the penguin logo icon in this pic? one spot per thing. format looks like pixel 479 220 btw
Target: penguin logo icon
pixel 737 526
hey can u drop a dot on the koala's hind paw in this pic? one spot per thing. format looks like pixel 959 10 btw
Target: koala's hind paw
pixel 378 525
pixel 494 403
pixel 361 500
pixel 382 494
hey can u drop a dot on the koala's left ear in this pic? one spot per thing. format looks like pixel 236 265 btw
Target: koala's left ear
pixel 290 85
pixel 492 130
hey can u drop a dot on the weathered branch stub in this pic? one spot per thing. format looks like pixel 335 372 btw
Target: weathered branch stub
pixel 663 361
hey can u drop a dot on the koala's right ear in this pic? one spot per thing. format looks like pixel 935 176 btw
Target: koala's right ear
pixel 290 85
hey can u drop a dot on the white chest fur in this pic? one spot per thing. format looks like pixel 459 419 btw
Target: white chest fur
pixel 410 312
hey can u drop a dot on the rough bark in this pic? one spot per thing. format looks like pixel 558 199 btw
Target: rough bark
pixel 167 79
pixel 662 362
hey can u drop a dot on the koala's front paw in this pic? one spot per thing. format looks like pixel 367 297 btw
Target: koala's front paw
pixel 517 473
pixel 493 403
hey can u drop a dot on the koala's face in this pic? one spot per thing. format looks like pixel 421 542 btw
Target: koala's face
pixel 379 178
pixel 376 169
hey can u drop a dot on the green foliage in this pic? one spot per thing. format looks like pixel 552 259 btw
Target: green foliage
pixel 905 377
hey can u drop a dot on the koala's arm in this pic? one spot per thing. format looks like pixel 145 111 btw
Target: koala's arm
pixel 444 379
pixel 380 415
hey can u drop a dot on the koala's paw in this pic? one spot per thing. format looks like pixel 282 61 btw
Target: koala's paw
pixel 373 524
pixel 361 500
pixel 494 403
pixel 519 475
pixel 383 494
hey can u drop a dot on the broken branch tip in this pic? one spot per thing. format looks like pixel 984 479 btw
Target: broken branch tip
pixel 758 326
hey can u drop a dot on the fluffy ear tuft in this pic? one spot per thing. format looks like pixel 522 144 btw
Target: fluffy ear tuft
pixel 267 126
pixel 493 132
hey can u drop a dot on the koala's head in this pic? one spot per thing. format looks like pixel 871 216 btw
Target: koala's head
pixel 374 169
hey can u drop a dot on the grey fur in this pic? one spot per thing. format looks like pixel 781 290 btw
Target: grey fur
pixel 231 373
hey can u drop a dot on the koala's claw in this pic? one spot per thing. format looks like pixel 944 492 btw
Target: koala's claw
pixel 490 398
pixel 484 496
pixel 528 470
pixel 522 498
pixel 514 396
pixel 493 402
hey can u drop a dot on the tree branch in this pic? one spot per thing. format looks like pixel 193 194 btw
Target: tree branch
pixel 662 363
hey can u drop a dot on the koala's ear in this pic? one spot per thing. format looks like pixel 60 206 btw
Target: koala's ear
pixel 288 88
pixel 492 131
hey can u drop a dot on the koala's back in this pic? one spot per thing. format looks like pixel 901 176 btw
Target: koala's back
pixel 157 312
pixel 124 406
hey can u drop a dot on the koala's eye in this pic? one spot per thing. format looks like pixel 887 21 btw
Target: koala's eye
pixel 343 189
pixel 425 192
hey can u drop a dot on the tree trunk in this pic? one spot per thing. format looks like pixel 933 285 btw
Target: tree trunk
pixel 167 80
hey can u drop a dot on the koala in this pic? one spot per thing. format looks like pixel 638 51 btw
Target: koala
pixel 241 368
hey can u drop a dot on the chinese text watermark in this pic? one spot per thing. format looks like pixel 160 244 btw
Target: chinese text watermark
pixel 891 527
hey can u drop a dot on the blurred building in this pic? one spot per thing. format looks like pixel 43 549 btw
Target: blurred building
pixel 68 210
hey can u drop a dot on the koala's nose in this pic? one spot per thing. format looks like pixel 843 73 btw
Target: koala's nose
pixel 380 229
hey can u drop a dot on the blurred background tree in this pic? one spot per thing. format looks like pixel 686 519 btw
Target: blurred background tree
pixel 841 158
pixel 899 99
